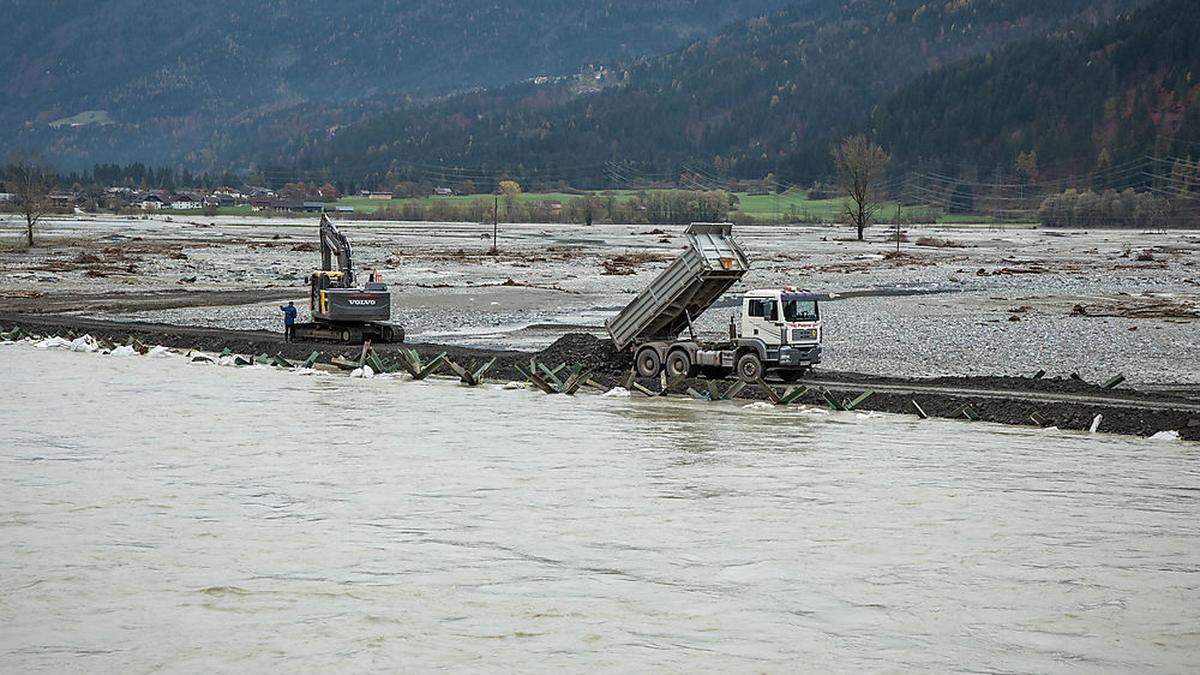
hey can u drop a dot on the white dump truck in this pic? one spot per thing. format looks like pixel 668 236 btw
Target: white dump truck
pixel 779 330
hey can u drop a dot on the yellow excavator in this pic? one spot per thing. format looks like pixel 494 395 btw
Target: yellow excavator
pixel 341 311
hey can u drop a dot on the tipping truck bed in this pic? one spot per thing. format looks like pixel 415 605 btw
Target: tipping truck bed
pixel 712 263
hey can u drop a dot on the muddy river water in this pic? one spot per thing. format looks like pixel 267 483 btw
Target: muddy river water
pixel 162 515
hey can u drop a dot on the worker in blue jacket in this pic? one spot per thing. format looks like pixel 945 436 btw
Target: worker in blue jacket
pixel 289 320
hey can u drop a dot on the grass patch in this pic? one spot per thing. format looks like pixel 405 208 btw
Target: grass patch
pixel 796 205
pixel 83 119
pixel 788 204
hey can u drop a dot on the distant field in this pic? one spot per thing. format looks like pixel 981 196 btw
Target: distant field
pixel 756 205
pixel 788 203
pixel 367 205
pixel 798 204
pixel 791 204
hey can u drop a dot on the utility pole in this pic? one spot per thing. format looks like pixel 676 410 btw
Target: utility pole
pixel 897 227
pixel 495 224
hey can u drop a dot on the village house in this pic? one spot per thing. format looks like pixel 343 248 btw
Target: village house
pixel 369 194
pixel 61 199
pixel 152 201
pixel 287 205
pixel 186 202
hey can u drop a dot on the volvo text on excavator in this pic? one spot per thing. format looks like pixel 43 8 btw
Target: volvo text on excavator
pixel 342 311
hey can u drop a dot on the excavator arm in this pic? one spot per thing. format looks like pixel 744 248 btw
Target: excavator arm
pixel 334 243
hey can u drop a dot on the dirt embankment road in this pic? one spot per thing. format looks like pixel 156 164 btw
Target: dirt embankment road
pixel 29 303
pixel 1067 404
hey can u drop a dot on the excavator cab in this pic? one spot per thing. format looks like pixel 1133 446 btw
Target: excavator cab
pixel 319 282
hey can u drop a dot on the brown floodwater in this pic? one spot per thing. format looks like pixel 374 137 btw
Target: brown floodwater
pixel 161 515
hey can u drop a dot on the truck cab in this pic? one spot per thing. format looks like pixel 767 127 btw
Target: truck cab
pixel 783 325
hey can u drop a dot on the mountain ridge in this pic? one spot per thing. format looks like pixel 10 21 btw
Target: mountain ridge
pixel 171 75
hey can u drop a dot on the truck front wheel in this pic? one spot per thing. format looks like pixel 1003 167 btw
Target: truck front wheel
pixel 749 367
pixel 648 363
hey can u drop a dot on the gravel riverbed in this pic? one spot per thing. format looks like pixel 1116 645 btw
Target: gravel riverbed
pixel 954 300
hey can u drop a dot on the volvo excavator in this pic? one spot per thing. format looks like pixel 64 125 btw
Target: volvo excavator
pixel 342 311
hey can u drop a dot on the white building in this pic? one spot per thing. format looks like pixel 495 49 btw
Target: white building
pixel 185 203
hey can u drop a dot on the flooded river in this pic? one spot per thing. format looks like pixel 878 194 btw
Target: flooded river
pixel 158 514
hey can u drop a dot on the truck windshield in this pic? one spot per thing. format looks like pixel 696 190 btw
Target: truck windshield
pixel 796 309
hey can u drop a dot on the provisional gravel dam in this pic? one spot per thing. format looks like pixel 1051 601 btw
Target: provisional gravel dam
pixel 1061 403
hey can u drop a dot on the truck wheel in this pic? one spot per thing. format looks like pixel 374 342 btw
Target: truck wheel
pixel 648 363
pixel 749 367
pixel 345 335
pixel 679 363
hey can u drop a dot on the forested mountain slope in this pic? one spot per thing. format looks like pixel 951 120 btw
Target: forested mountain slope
pixel 1079 101
pixel 767 94
pixel 157 79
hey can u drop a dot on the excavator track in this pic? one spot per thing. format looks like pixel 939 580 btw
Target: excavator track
pixel 350 334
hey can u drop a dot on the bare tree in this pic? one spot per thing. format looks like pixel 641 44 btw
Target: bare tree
pixel 860 166
pixel 31 181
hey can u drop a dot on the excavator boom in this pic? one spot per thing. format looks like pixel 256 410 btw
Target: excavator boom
pixel 334 243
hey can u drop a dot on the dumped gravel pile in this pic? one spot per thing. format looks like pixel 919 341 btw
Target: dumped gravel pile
pixel 593 352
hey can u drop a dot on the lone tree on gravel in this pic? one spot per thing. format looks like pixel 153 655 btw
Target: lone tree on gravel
pixel 30 180
pixel 860 167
